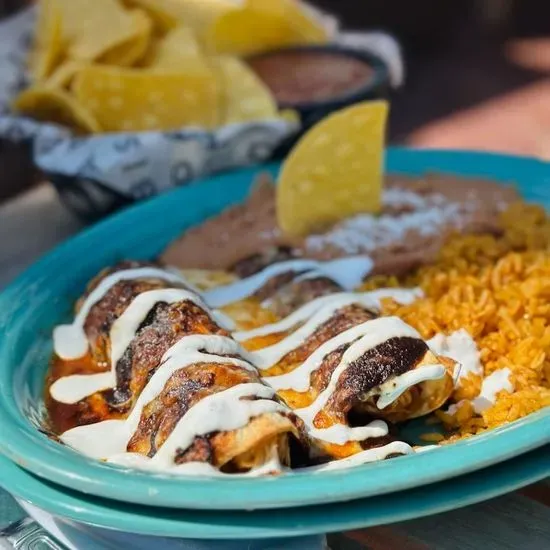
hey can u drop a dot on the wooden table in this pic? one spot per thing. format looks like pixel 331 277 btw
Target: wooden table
pixel 30 225
pixel 33 223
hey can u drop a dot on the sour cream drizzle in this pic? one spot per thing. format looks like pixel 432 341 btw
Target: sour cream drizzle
pixel 232 409
pixel 70 341
pixel 391 390
pixel 142 462
pixel 496 382
pixel 363 457
pixel 222 411
pixel 109 439
pixel 332 303
pixel 374 333
pixel 347 272
pixel 273 465
pixel 71 389
pixel 461 347
pixel 267 357
pixel 365 337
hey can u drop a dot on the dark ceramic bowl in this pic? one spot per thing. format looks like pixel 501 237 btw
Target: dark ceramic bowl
pixel 377 86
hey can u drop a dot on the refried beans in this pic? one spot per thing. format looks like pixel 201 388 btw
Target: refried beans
pixel 418 215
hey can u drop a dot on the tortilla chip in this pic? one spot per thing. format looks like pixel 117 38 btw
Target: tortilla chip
pixel 48 46
pixel 244 96
pixel 262 25
pixel 291 116
pixel 196 14
pixel 64 74
pixel 141 99
pixel 334 171
pixel 57 106
pixel 92 27
pixel 160 11
pixel 201 14
pixel 133 50
pixel 244 32
pixel 303 27
pixel 173 50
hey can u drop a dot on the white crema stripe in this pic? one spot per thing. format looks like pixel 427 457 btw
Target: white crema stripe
pixel 461 347
pixel 223 411
pixel 299 378
pixel 70 341
pixel 220 412
pixel 133 460
pixel 142 462
pixel 73 388
pixel 365 336
pixel 110 437
pixel 232 409
pixel 267 357
pixel 391 390
pixel 376 332
pixel 369 299
pixel 364 457
pixel 347 272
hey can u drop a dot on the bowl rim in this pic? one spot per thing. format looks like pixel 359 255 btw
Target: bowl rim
pixel 379 78
pixel 27 447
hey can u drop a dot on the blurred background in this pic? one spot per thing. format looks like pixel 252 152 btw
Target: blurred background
pixel 477 74
pixel 464 59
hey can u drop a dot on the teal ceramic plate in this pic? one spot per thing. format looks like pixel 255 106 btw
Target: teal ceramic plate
pixel 43 297
pixel 414 503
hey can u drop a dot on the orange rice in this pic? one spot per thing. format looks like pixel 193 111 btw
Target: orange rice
pixel 498 289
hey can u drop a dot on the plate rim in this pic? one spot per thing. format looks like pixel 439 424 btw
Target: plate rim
pixel 23 444
pixel 428 500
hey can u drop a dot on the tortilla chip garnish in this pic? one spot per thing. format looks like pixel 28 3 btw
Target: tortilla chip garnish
pixel 141 99
pixel 134 49
pixel 173 50
pixel 244 96
pixel 334 171
pixel 57 106
pixel 48 45
pixel 92 27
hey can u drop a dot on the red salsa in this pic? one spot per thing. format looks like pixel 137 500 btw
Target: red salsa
pixel 301 77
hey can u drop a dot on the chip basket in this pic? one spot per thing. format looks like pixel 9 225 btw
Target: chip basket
pixel 98 174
